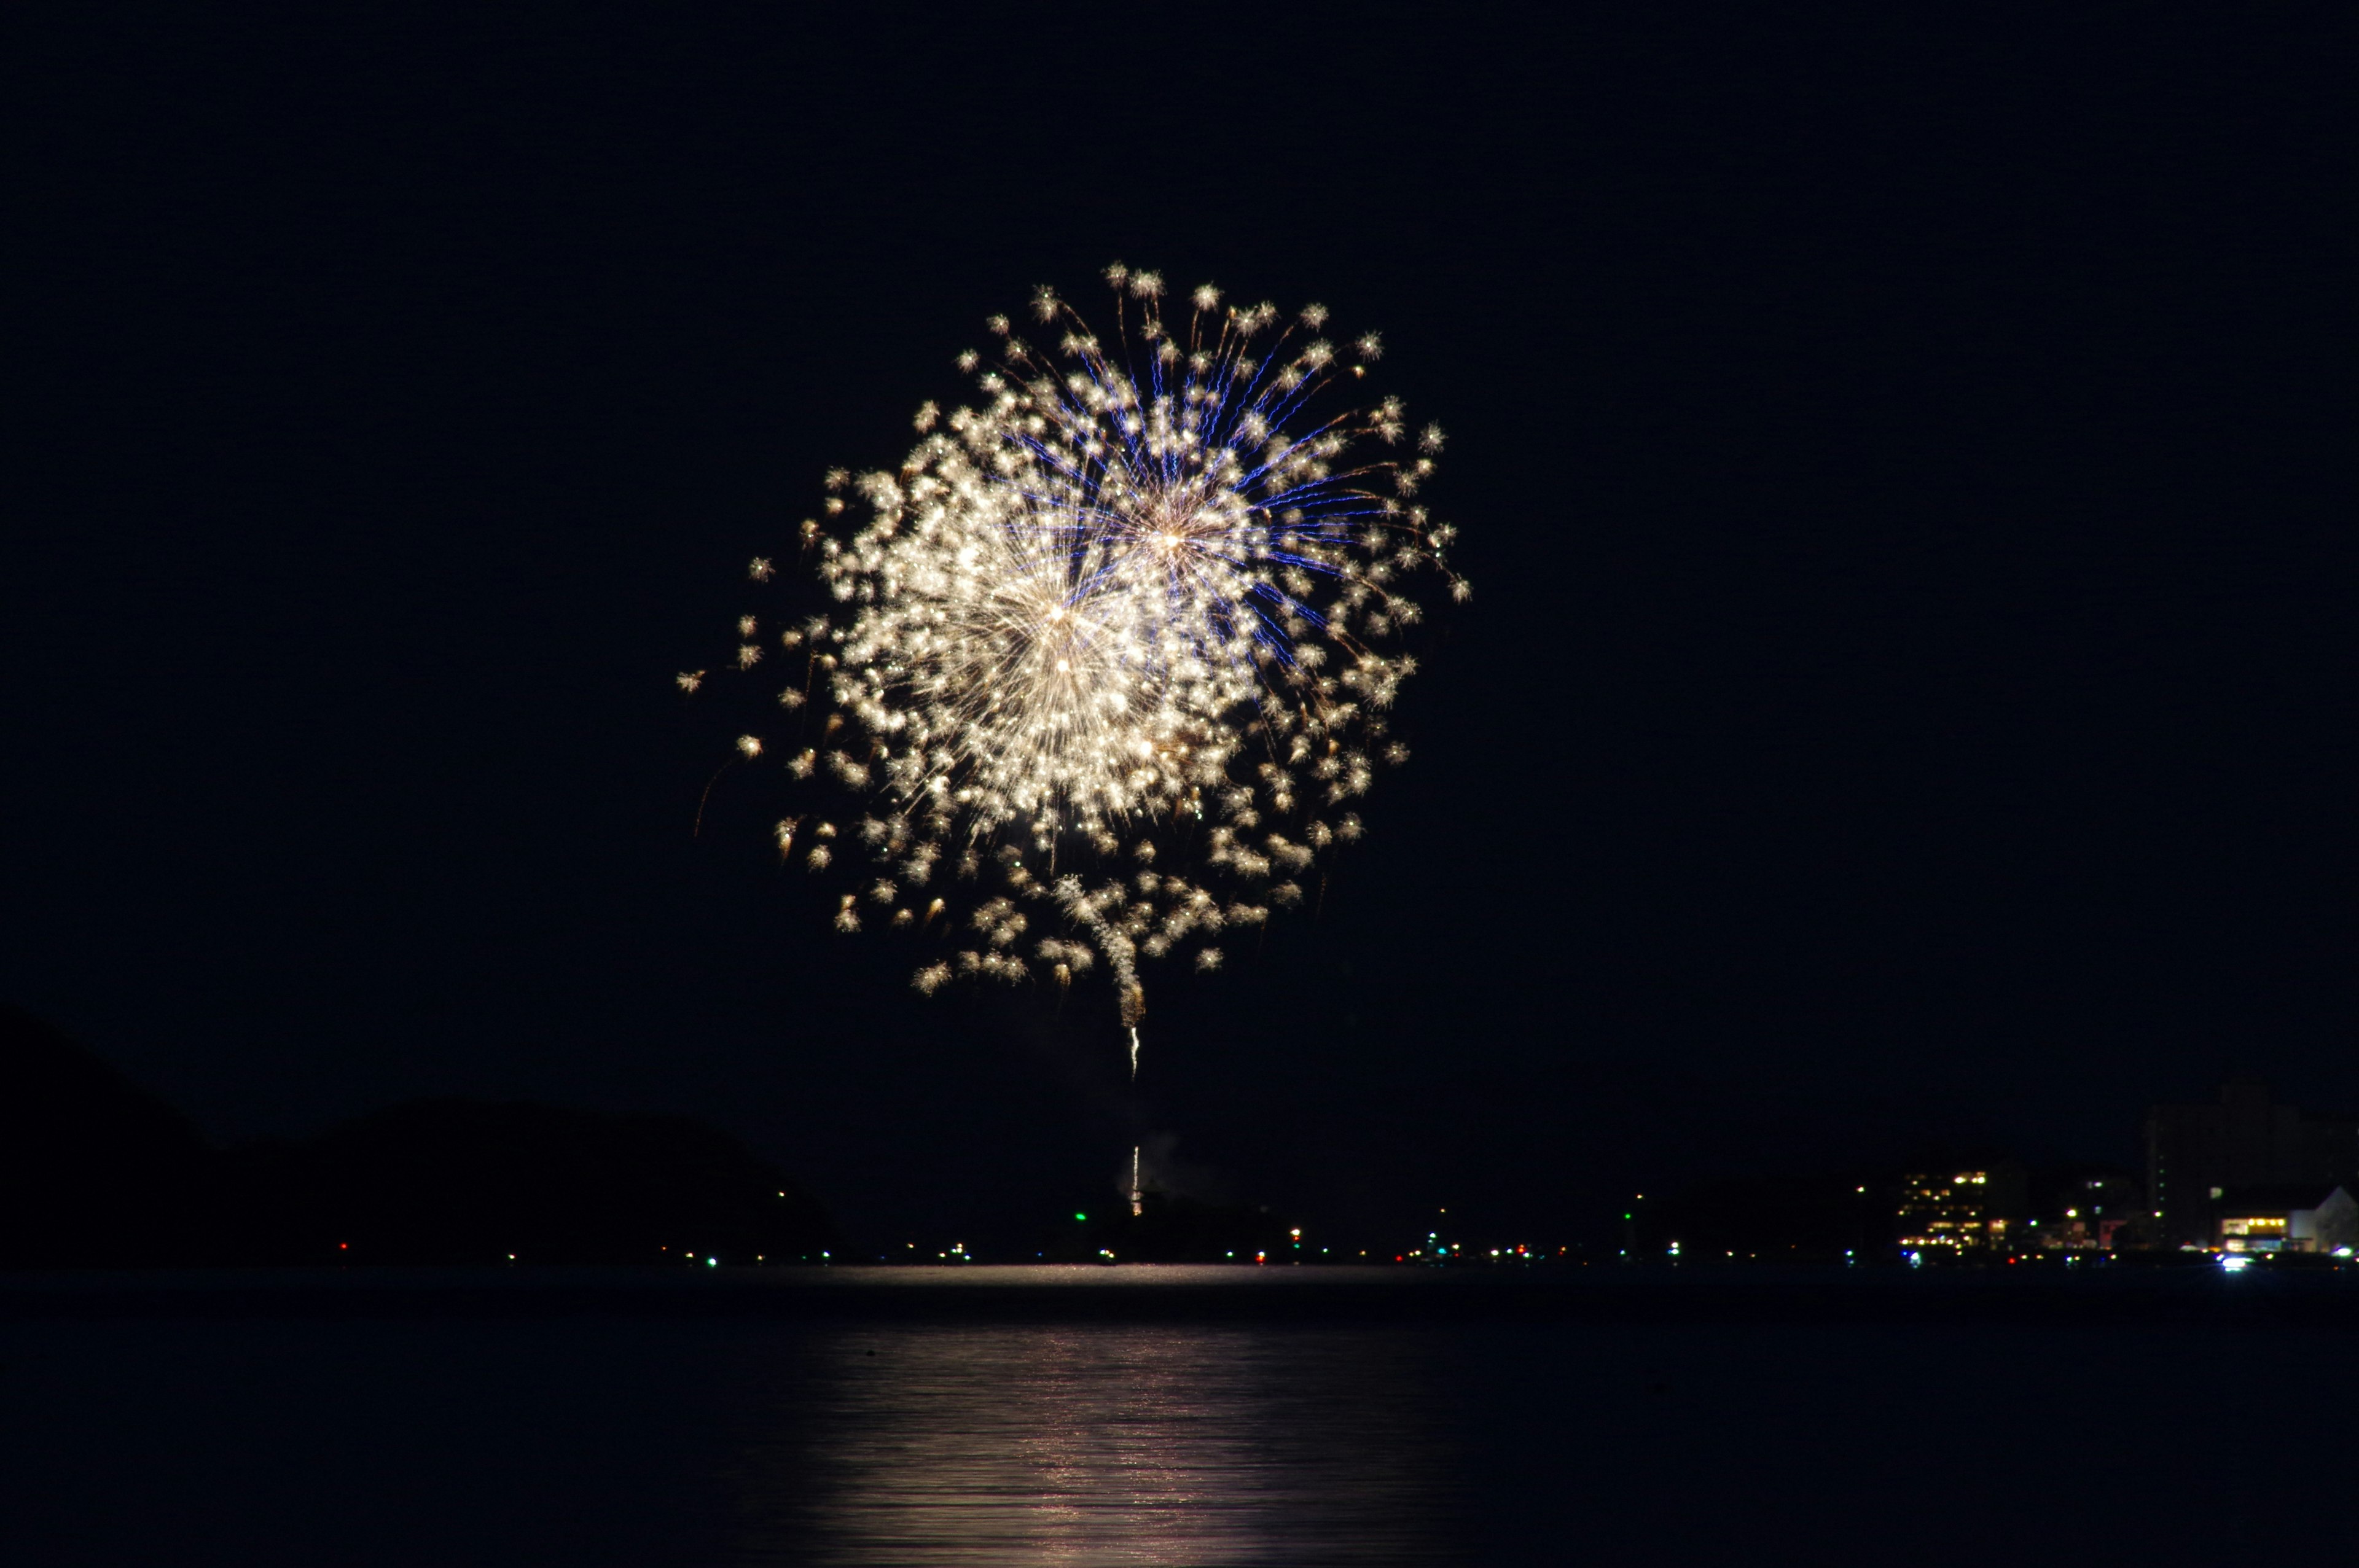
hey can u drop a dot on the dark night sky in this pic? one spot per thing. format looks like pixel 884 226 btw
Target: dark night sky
pixel 1907 695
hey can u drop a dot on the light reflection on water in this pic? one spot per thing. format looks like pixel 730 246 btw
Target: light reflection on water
pixel 1101 1444
pixel 618 1430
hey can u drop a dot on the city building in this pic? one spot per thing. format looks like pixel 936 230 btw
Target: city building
pixel 2286 1219
pixel 2196 1154
pixel 1955 1214
pixel 2088 1210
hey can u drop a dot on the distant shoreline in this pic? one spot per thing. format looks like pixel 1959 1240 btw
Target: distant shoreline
pixel 1207 1293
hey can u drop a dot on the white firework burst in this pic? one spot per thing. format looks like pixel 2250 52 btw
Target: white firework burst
pixel 1115 643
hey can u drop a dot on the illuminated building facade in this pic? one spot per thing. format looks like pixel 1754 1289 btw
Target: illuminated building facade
pixel 2197 1153
pixel 2286 1219
pixel 1957 1215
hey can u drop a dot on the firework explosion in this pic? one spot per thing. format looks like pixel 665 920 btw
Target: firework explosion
pixel 1110 663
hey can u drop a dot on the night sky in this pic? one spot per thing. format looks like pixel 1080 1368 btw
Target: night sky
pixel 1904 473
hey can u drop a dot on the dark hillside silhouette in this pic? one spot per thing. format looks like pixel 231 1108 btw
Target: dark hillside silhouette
pixel 93 1169
pixel 97 1172
pixel 450 1180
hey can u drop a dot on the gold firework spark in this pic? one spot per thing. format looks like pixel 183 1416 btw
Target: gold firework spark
pixel 1115 643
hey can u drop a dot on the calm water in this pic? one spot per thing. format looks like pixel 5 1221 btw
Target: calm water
pixel 609 1438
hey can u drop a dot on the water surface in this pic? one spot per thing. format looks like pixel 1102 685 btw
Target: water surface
pixel 597 1434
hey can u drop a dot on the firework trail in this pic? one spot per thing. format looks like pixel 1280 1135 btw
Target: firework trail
pixel 1112 648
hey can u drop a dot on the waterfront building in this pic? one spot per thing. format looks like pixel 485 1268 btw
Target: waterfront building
pixel 2197 1153
pixel 2088 1208
pixel 1958 1215
pixel 2286 1219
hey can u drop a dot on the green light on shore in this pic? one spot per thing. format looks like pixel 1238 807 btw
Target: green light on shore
pixel 1082 1217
